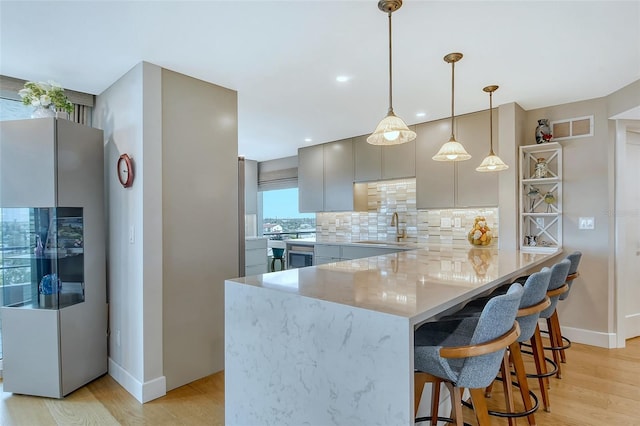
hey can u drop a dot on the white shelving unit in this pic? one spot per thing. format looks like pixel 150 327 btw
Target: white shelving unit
pixel 541 198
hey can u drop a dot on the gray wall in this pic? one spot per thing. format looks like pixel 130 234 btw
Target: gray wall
pixel 587 190
pixel 199 222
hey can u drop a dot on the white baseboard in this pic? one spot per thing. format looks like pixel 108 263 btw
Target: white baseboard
pixel 143 392
pixel 585 337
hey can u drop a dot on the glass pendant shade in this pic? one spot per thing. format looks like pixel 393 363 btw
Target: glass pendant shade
pixel 452 151
pixel 391 131
pixel 491 163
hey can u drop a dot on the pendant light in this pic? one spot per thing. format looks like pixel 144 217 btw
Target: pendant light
pixel 452 150
pixel 391 130
pixel 491 163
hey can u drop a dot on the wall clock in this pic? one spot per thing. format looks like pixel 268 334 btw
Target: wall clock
pixel 125 170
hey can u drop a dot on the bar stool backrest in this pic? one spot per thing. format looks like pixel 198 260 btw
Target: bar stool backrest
pixel 559 273
pixel 535 291
pixel 497 318
pixel 574 258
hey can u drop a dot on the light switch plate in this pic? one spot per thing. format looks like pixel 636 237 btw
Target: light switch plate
pixel 457 222
pixel 445 222
pixel 586 223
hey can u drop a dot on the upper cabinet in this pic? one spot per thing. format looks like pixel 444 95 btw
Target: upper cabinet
pixel 338 176
pixel 434 179
pixel 375 162
pixel 455 184
pixel 325 177
pixel 311 179
pixel 476 189
pixel 368 160
pixel 250 187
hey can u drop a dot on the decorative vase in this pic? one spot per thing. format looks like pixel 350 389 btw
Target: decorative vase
pixel 480 234
pixel 543 131
pixel 42 112
pixel 541 169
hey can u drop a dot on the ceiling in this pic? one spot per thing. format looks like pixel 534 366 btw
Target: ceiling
pixel 283 57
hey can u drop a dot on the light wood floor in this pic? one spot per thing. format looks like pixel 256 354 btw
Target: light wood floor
pixel 599 387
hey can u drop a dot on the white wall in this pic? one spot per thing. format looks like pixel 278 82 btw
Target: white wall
pixel 120 112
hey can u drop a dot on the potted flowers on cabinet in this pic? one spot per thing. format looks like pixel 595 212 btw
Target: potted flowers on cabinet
pixel 47 98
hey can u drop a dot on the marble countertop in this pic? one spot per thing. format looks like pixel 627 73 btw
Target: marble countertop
pixel 416 284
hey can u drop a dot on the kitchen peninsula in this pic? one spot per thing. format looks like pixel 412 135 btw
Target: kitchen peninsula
pixel 333 344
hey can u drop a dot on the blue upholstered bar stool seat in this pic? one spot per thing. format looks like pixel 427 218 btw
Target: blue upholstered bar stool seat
pixel 466 353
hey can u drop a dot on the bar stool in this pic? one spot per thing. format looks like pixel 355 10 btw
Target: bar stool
pixel 534 300
pixel 562 342
pixel 278 254
pixel 466 353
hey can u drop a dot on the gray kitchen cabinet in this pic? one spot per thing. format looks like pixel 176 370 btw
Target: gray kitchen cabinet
pixel 338 176
pixel 325 177
pixel 476 189
pixel 51 186
pixel 311 179
pixel 326 253
pixel 250 187
pixel 441 184
pixel 357 252
pixel 255 250
pixel 435 180
pixel 375 162
pixel 367 160
pixel 336 252
pixel 399 161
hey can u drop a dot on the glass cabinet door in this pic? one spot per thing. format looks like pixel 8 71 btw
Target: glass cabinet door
pixel 41 257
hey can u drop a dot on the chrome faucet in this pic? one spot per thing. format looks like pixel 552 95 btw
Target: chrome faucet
pixel 395 221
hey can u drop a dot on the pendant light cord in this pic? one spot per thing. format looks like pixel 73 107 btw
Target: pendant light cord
pixel 453 65
pixel 491 123
pixel 390 71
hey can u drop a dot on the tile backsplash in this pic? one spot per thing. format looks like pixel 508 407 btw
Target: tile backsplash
pixel 445 226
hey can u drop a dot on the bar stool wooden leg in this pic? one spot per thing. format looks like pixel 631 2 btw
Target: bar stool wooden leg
pixel 456 403
pixel 480 407
pixel 518 365
pixel 541 368
pixel 506 386
pixel 558 332
pixel 419 380
pixel 435 402
pixel 553 339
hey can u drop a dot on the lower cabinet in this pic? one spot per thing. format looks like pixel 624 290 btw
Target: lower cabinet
pixel 255 256
pixel 328 253
pixel 46 352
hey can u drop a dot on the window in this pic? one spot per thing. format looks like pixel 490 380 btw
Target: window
pixel 11 109
pixel 281 218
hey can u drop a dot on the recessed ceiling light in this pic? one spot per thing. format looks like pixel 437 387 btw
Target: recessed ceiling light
pixel 342 78
pixel 421 114
pixel 308 140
